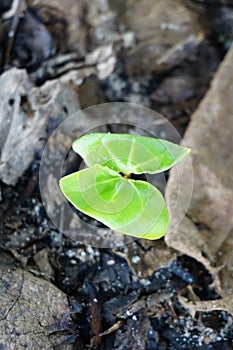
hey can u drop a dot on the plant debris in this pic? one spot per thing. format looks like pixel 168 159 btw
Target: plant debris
pixel 55 292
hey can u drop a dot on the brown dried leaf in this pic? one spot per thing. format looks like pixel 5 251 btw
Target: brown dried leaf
pixel 207 305
pixel 209 224
pixel 25 112
pixel 34 313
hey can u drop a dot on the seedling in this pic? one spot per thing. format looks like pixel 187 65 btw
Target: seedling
pixel 106 191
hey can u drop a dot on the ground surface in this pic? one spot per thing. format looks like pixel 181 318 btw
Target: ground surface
pixel 174 57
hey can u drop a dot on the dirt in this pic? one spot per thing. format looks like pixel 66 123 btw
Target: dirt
pixel 56 292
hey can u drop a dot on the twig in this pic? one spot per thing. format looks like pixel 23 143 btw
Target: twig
pixel 14 12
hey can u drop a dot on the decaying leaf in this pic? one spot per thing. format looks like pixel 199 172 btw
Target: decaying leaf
pixel 207 305
pixel 25 112
pixel 34 313
pixel 206 232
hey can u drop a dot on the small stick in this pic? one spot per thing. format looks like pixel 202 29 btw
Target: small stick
pixel 15 13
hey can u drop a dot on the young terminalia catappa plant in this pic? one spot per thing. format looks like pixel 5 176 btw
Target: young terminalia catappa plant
pixel 106 191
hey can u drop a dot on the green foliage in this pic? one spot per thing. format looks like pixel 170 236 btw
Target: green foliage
pixel 106 190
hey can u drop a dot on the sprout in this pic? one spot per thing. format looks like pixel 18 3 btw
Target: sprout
pixel 106 191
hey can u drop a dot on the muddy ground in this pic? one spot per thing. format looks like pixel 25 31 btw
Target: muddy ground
pixel 175 57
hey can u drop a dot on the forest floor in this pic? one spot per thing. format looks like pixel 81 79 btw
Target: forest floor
pixel 60 291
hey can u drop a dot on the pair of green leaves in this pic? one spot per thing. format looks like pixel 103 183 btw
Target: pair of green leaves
pixel 105 190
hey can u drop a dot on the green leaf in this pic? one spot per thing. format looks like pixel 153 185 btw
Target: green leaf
pixel 129 154
pixel 131 207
